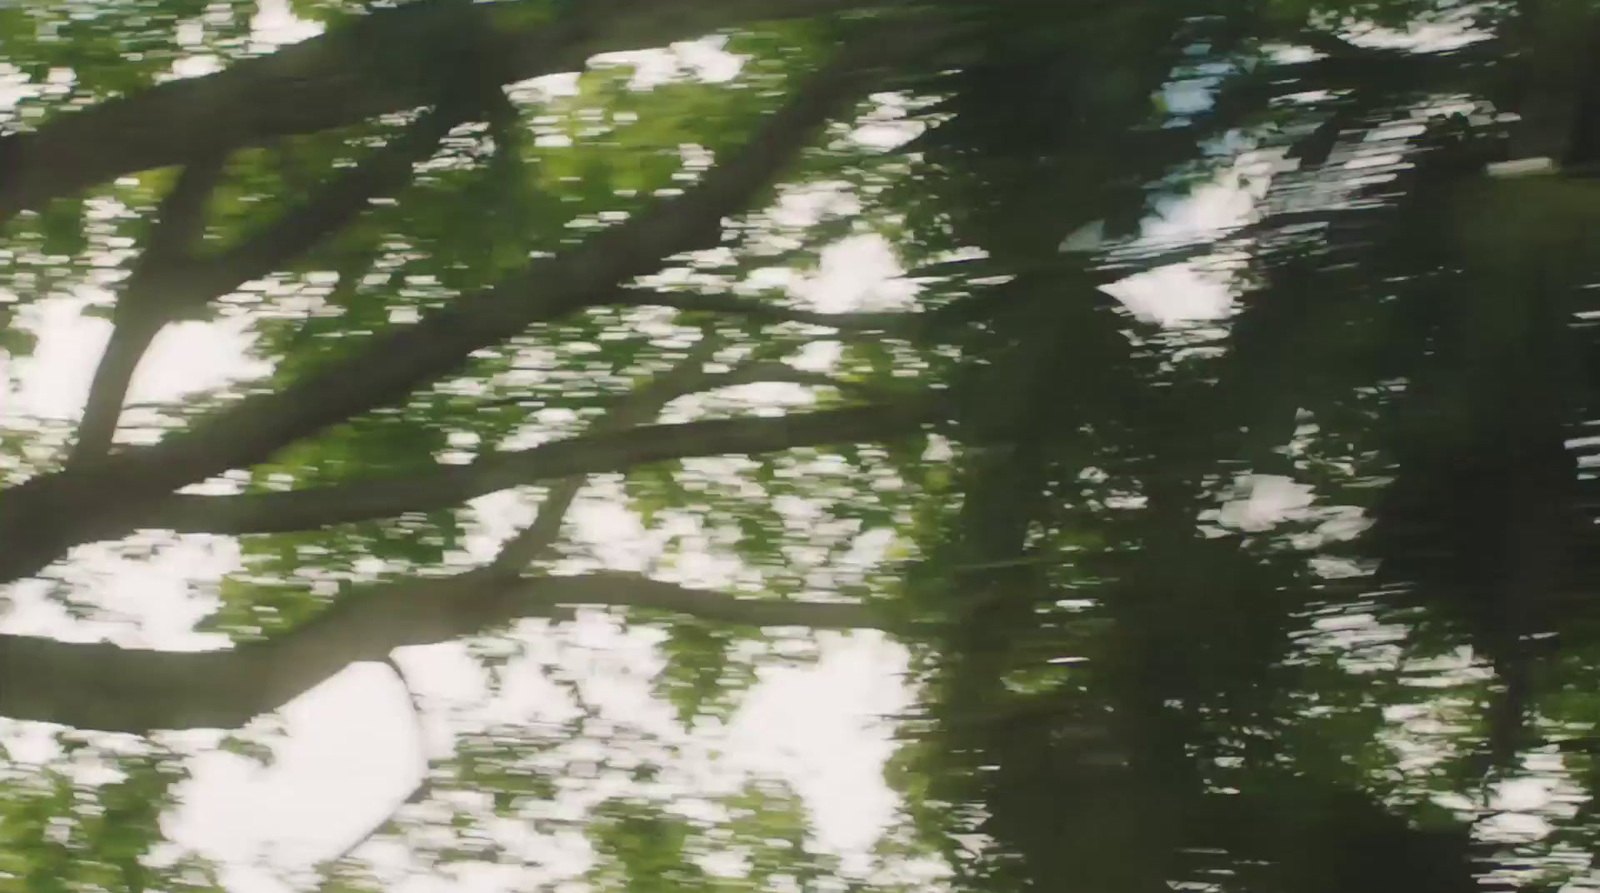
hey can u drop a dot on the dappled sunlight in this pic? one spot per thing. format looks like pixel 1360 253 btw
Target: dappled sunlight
pixel 810 446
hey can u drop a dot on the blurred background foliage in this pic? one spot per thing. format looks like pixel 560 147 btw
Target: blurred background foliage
pixel 1123 678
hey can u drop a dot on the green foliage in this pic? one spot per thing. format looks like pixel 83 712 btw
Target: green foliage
pixel 642 848
pixel 765 831
pixel 90 821
pixel 1121 686
pixel 111 48
pixel 700 672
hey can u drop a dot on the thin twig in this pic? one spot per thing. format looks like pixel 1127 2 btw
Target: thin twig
pixel 756 373
pixel 890 322
pixel 643 405
pixel 419 792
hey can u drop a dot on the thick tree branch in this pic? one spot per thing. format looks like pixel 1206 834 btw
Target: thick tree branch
pixel 43 517
pixel 451 485
pixel 322 83
pixel 100 686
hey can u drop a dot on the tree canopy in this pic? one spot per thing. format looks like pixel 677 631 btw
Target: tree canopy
pixel 1238 548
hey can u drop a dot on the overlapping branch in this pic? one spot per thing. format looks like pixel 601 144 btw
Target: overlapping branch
pixel 172 280
pixel 538 539
pixel 311 87
pixel 42 518
pixel 104 687
pixel 314 86
pixel 450 485
pixel 147 302
pixel 644 404
pixel 98 686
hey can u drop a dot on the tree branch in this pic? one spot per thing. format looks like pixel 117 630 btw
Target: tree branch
pixel 774 372
pixel 146 304
pixel 894 322
pixel 101 686
pixel 328 211
pixel 451 485
pixel 43 517
pixel 318 84
pixel 645 403
pixel 418 792
pixel 171 282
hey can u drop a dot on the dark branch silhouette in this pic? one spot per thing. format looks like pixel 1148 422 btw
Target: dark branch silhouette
pixel 314 86
pixel 104 687
pixel 150 299
pixel 171 281
pixel 44 516
pixel 891 322
pixel 451 485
